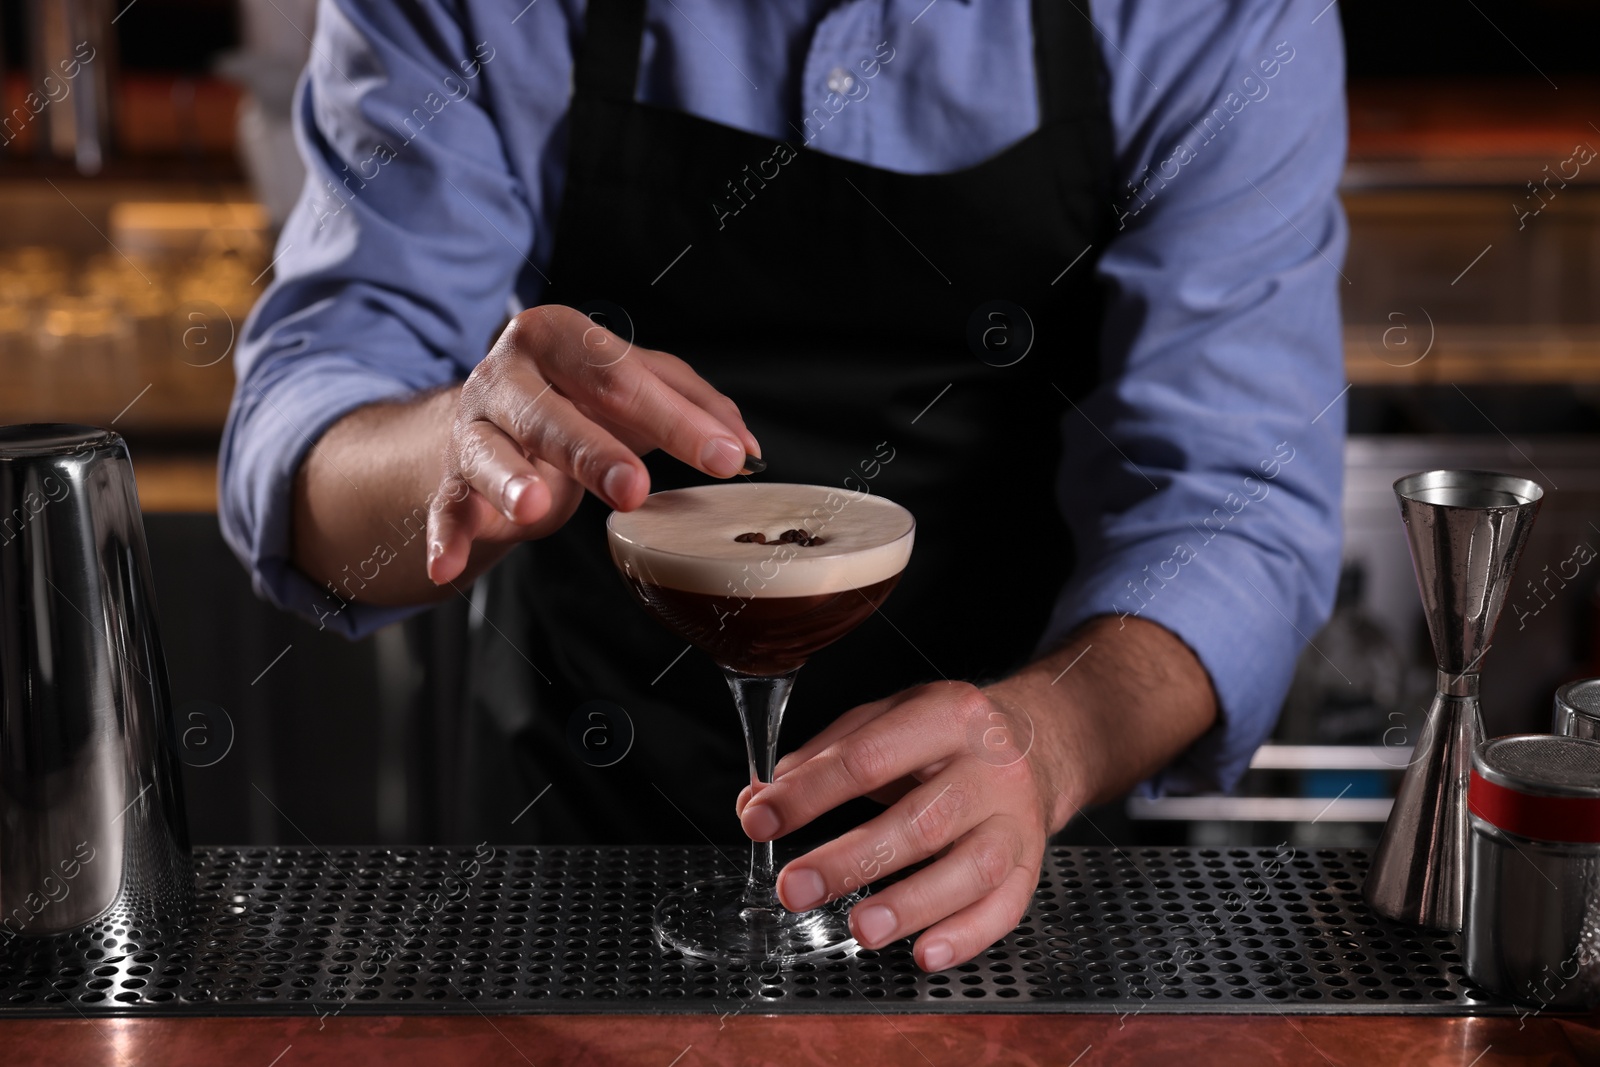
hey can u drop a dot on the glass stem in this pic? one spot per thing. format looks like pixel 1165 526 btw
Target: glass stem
pixel 760 701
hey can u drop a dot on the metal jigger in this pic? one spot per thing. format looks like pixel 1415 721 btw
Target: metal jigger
pixel 1466 530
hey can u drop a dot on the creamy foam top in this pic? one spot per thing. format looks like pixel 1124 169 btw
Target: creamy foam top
pixel 684 539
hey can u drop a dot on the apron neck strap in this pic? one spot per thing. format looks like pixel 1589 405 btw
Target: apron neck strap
pixel 1066 60
pixel 607 63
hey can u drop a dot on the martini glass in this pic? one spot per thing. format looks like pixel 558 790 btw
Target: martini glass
pixel 759 576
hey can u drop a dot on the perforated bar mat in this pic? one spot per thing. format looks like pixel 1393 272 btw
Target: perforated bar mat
pixel 563 930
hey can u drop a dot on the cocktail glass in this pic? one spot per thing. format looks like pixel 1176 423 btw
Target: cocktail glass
pixel 760 576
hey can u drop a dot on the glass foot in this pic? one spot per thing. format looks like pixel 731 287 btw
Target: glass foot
pixel 708 921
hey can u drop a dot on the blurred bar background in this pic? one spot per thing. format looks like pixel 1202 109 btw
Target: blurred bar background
pixel 146 162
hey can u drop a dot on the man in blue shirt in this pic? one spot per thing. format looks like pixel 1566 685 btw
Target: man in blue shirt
pixel 950 252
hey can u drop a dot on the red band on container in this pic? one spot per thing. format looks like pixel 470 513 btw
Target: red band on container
pixel 1568 819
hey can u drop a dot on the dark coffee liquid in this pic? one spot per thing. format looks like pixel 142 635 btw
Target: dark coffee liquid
pixel 761 635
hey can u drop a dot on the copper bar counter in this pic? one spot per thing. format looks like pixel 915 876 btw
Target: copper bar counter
pixel 889 1041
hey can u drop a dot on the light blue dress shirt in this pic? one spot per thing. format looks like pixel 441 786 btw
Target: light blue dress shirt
pixel 1201 480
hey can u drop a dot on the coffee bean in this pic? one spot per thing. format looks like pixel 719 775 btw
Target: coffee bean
pixel 788 537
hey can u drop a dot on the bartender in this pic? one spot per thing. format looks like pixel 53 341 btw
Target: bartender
pixel 1060 278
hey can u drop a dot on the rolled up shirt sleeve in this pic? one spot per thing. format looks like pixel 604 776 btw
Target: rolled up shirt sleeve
pixel 391 275
pixel 1202 479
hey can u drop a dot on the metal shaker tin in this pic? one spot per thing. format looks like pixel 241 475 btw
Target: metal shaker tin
pixel 1577 712
pixel 92 820
pixel 1533 893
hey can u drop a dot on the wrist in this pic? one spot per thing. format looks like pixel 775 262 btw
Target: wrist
pixel 1111 706
pixel 1059 736
pixel 392 449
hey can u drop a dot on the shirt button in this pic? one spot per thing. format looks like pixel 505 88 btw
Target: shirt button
pixel 840 81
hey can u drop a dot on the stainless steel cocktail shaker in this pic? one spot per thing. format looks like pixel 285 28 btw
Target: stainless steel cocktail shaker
pixel 91 809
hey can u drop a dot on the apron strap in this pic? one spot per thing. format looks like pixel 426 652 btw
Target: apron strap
pixel 607 63
pixel 1066 61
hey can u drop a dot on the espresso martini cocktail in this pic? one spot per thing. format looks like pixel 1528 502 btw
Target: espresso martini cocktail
pixel 759 576
pixel 762 575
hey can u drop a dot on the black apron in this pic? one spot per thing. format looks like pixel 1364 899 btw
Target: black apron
pixel 844 308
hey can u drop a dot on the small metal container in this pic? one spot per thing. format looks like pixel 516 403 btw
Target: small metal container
pixel 1533 892
pixel 1578 709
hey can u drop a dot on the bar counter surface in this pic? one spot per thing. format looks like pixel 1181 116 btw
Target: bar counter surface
pixel 890 1041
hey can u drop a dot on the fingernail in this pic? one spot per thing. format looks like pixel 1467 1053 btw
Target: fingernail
pixel 760 822
pixel 753 464
pixel 722 456
pixel 803 889
pixel 435 550
pixel 616 482
pixel 874 924
pixel 937 956
pixel 514 490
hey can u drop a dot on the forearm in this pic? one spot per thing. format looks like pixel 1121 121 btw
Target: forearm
pixel 361 500
pixel 1112 706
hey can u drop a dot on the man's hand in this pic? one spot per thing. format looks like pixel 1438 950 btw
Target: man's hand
pixel 985 812
pixel 979 779
pixel 560 405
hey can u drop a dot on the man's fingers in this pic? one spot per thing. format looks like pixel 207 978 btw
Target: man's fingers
pixel 979 864
pixel 458 517
pixel 885 796
pixel 625 391
pixel 450 529
pixel 847 723
pixel 977 926
pixel 921 823
pixel 682 377
pixel 559 407
pixel 495 467
pixel 547 426
pixel 925 728
pixel 745 794
pixel 676 425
